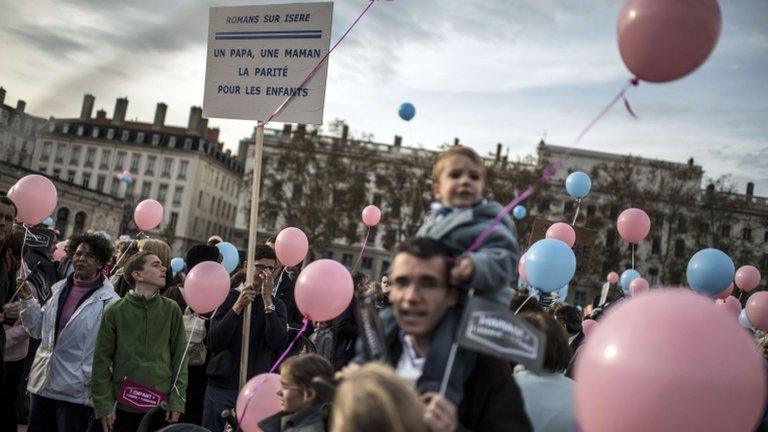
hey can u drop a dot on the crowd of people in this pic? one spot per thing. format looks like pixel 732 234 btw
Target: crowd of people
pixel 93 340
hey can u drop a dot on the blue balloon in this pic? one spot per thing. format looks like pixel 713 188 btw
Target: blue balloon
pixel 744 320
pixel 626 278
pixel 710 271
pixel 48 222
pixel 177 265
pixel 519 212
pixel 549 265
pixel 407 111
pixel 230 257
pixel 578 184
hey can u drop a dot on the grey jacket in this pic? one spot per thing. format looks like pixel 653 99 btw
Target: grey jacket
pixel 62 367
pixel 495 261
pixel 308 420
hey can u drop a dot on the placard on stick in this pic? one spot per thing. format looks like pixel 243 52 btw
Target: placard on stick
pixel 582 248
pixel 259 55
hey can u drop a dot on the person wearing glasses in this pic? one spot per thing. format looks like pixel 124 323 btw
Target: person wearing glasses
pixel 67 324
pixel 268 337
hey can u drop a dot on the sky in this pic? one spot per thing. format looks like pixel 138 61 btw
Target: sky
pixel 487 72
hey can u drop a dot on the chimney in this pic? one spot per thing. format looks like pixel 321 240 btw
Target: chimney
pixel 750 189
pixel 203 126
pixel 160 115
pixel 498 152
pixel 87 110
pixel 301 130
pixel 101 115
pixel 398 141
pixel 344 133
pixel 121 107
pixel 286 130
pixel 20 105
pixel 2 96
pixel 455 141
pixel 195 115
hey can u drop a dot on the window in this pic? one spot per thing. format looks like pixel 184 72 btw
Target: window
pixel 114 187
pixel 765 235
pixel 79 223
pixel 151 165
pixel 100 180
pixel 183 165
pixel 61 148
pixel 178 193
pixel 367 263
pixel 372 236
pixel 120 161
pixel 162 192
pixel 167 166
pixel 591 210
pixel 90 156
pixel 199 199
pixel 125 135
pixel 188 143
pixel 385 266
pixel 105 154
pixel 679 248
pixel 296 194
pixel 135 160
pixel 80 130
pixel 110 134
pixel 74 158
pixel 568 207
pixel 71 176
pixel 62 220
pixel 725 231
pixel 346 259
pixel 140 137
pixel 377 200
pixel 656 245
pixel 64 129
pixel 681 225
pixel 86 181
pixel 46 151
pixel 653 276
pixel 146 189
pixel 155 140
pixel 580 298
pixel 543 206
pixel 174 220
pixel 328 255
pixel 172 143
pixel 746 233
pixel 271 221
pixel 95 132
pixel 42 168
pixel 610 239
pixel 57 173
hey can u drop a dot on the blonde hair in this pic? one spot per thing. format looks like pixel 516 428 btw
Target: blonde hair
pixel 374 399
pixel 157 247
pixel 453 151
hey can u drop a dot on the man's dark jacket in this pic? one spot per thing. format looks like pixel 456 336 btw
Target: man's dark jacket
pixel 268 338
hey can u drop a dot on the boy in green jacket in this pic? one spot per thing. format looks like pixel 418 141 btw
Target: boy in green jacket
pixel 142 339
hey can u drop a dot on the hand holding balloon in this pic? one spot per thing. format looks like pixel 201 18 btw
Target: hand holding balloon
pixel 462 272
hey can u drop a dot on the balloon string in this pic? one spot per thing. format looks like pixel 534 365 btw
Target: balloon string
pixel 362 247
pixel 633 255
pixel 523 303
pixel 578 208
pixel 312 73
pixel 241 415
pixel 549 171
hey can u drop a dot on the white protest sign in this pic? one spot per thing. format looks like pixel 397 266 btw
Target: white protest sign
pixel 259 55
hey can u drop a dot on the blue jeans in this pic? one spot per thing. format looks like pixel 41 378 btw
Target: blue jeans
pixel 217 400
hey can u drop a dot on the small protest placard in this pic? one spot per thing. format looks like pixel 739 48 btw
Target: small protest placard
pixel 582 248
pixel 140 397
pixel 372 329
pixel 492 329
pixel 258 56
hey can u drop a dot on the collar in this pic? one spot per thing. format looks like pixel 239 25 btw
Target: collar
pixel 304 416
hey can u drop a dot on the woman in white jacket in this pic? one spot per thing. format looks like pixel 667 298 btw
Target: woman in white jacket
pixel 60 378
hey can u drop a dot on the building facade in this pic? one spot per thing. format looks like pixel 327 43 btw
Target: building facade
pixel 17 132
pixel 184 168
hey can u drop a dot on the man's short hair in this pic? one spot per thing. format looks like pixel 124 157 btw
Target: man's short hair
pixel 4 199
pixel 264 252
pixel 201 253
pixel 101 248
pixel 425 248
pixel 136 263
pixel 453 151
pixel 569 316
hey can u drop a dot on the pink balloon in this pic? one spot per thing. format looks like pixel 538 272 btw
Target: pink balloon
pixel 613 277
pixel 725 293
pixel 35 197
pixel 651 366
pixel 323 290
pixel 291 246
pixel 747 278
pixel 731 303
pixel 371 215
pixel 258 400
pixel 206 287
pixel 521 268
pixel 638 286
pixel 588 326
pixel 757 310
pixel 563 232
pixel 662 40
pixel 633 225
pixel 148 214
